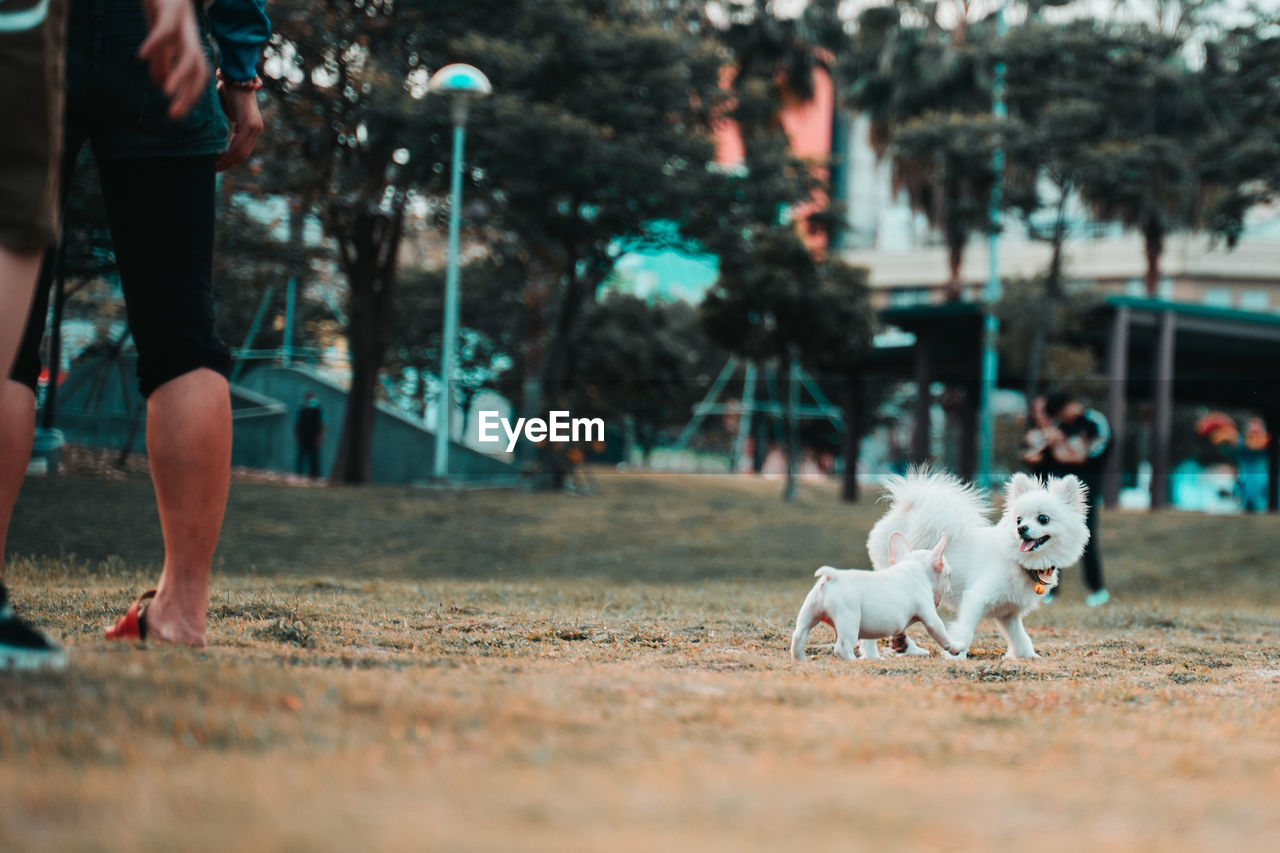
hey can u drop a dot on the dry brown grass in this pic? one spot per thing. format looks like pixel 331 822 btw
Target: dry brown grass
pixel 393 669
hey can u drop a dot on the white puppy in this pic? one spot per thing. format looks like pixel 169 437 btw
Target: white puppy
pixel 866 604
pixel 1002 570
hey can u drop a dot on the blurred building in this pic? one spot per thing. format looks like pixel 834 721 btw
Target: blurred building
pixel 908 259
pixel 669 274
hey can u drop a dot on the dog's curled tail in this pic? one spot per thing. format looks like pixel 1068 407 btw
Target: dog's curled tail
pixel 925 505
pixel 937 491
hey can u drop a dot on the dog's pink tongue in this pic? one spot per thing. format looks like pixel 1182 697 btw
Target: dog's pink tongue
pixel 1027 545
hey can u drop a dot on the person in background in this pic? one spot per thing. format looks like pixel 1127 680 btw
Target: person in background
pixel 308 430
pixel 140 89
pixel 1069 438
pixel 1251 466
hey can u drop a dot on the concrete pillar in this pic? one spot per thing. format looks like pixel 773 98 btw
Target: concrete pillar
pixel 1162 411
pixel 1273 456
pixel 1118 372
pixel 969 431
pixel 745 416
pixel 924 399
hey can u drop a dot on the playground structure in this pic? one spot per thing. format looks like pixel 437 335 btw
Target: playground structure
pixel 1157 352
pixel 99 405
pixel 758 377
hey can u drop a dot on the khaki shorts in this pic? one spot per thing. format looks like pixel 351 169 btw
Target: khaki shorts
pixel 32 34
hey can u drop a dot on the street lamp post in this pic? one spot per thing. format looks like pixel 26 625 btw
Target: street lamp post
pixel 462 84
pixel 991 294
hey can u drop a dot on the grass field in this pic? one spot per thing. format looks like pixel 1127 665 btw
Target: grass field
pixel 407 670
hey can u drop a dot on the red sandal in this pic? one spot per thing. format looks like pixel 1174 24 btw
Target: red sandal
pixel 132 625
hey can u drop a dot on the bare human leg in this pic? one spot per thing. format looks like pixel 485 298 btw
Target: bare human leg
pixel 17 428
pixel 18 272
pixel 189 447
pixel 21 645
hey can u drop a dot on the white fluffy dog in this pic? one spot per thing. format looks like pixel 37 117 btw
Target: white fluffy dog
pixel 1001 570
pixel 863 604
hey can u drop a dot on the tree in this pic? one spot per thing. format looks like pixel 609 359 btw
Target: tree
pixel 761 308
pixel 1240 157
pixel 597 134
pixel 927 92
pixel 946 164
pixel 1025 316
pixel 842 325
pixel 896 70
pixel 1143 172
pixel 491 314
pixel 596 139
pixel 643 362
pixel 342 80
pixel 757 308
pixel 1053 80
pixel 773 65
pixel 253 252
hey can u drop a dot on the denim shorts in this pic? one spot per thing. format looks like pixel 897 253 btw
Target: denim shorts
pixel 31 83
pixel 112 103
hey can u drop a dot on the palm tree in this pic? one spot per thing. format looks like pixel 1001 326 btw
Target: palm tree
pixel 918 85
pixel 1143 171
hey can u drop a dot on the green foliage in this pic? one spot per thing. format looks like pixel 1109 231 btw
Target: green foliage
pixel 927 92
pixel 491 314
pixel 248 257
pixel 1136 149
pixel 842 320
pixel 597 137
pixel 1240 158
pixel 1054 76
pixel 597 129
pixel 340 117
pixel 646 362
pixel 761 306
pixel 946 164
pixel 897 71
pixel 1024 313
pixel 773 301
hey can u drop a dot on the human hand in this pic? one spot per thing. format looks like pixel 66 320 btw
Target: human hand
pixel 174 55
pixel 241 107
pixel 1038 413
pixel 1071 451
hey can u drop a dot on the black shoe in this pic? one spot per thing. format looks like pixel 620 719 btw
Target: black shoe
pixel 23 647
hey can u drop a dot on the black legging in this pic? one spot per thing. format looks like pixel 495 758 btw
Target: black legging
pixel 309 460
pixel 161 213
pixel 1092 558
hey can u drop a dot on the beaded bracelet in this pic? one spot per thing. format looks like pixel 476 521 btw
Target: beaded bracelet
pixel 247 85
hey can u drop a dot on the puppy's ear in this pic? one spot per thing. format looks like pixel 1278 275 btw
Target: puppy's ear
pixel 935 556
pixel 1071 491
pixel 1019 484
pixel 899 547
